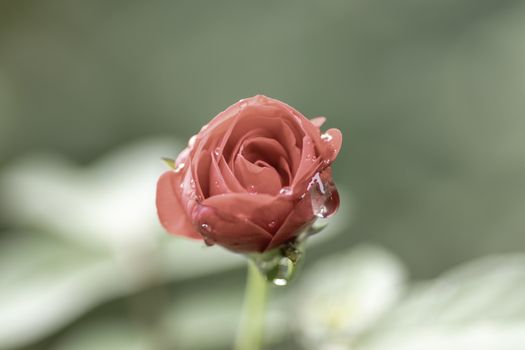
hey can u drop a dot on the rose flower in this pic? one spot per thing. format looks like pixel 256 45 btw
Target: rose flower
pixel 252 179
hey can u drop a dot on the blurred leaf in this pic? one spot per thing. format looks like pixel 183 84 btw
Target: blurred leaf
pixel 115 333
pixel 479 305
pixel 344 295
pixel 45 282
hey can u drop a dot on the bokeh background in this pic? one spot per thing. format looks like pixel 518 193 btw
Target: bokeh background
pixel 429 95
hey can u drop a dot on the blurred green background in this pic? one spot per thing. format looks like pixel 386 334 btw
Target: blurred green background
pixel 429 95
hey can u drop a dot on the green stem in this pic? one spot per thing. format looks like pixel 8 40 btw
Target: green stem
pixel 249 333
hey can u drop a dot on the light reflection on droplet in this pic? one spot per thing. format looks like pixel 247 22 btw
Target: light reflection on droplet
pixel 286 191
pixel 326 137
pixel 280 282
pixel 217 151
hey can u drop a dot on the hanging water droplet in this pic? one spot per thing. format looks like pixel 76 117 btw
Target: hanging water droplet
pixel 317 182
pixel 208 241
pixel 332 203
pixel 279 265
pixel 284 271
pixel 280 282
pixel 324 197
pixel 326 137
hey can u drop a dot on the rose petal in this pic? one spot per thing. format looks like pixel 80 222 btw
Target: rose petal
pixel 300 217
pixel 263 148
pixel 309 162
pixel 170 208
pixel 218 184
pixel 333 143
pixel 220 226
pixel 201 174
pixel 255 178
pixel 267 212
pixel 228 176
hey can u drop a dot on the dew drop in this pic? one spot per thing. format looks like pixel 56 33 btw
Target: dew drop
pixel 205 228
pixel 284 272
pixel 272 224
pixel 217 151
pixel 208 242
pixel 326 137
pixel 286 191
pixel 280 282
pixel 317 182
pixel 324 197
pixel 252 189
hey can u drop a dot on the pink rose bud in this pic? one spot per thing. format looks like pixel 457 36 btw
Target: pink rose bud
pixel 253 179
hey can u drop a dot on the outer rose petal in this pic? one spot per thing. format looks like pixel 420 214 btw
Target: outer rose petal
pixel 222 227
pixel 170 208
pixel 300 217
pixel 334 144
pixel 265 211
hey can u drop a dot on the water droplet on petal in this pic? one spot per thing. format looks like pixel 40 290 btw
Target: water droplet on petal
pixel 205 228
pixel 272 224
pixel 252 189
pixel 286 191
pixel 217 151
pixel 326 137
pixel 208 242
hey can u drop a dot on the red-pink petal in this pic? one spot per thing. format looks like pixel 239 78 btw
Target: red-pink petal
pixel 170 208
pixel 298 219
pixel 256 178
pixel 334 141
pixel 267 212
